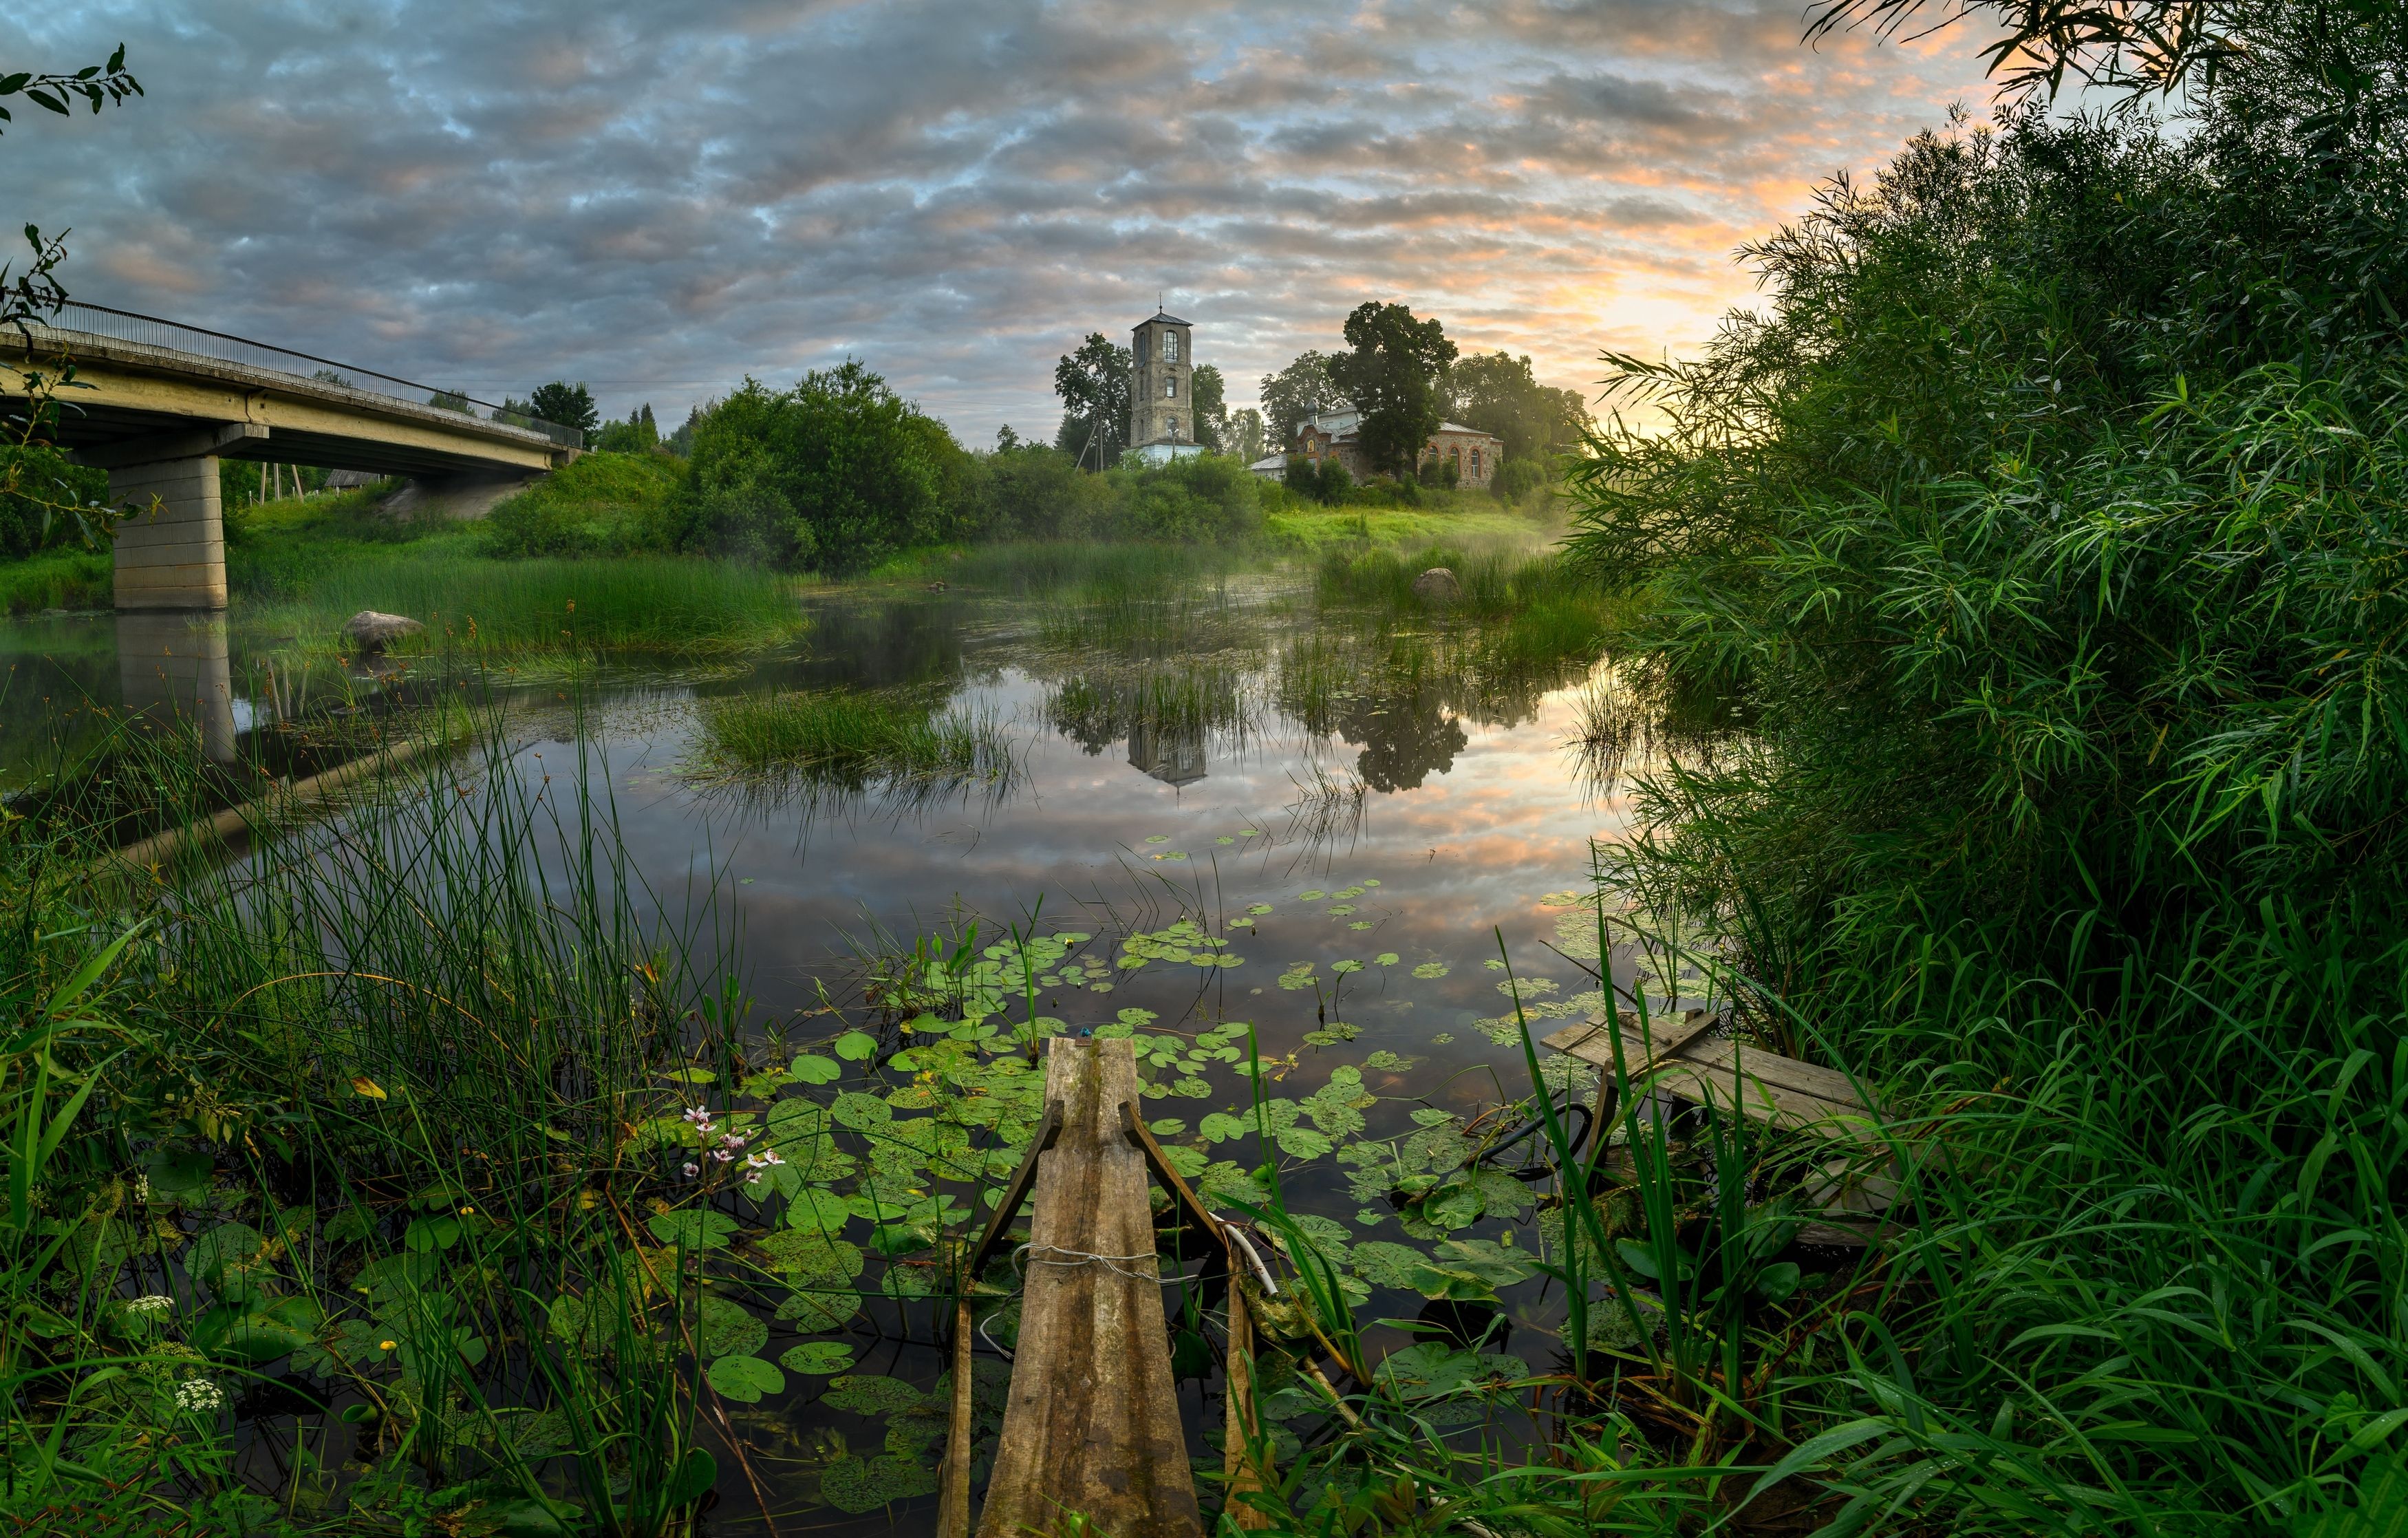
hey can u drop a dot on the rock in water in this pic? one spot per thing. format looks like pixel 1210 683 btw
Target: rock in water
pixel 1437 587
pixel 372 632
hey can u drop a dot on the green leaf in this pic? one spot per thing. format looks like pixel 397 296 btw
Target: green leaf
pixel 1386 958
pixel 1384 1264
pixel 856 1046
pixel 727 1329
pixel 1220 1126
pixel 861 1112
pixel 868 1394
pixel 1304 1142
pixel 746 1379
pixel 810 1068
pixel 817 1210
pixel 819 1358
pixel 693 1228
pixel 692 1075
pixel 693 1480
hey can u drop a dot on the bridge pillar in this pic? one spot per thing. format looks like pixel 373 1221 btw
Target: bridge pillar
pixel 176 666
pixel 171 547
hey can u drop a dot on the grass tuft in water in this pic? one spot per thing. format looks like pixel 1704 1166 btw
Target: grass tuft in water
pixel 852 738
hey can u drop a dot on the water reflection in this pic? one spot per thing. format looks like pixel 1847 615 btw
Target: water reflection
pixel 179 666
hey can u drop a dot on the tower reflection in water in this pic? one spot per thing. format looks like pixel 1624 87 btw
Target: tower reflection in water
pixel 1173 754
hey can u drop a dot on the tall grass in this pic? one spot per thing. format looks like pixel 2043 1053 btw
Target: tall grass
pixel 57 579
pixel 673 605
pixel 841 737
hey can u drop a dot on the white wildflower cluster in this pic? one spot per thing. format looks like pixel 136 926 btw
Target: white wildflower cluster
pixel 142 1189
pixel 199 1396
pixel 729 1144
pixel 150 1307
pixel 760 1164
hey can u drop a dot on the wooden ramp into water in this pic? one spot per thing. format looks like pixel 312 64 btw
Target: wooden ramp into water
pixel 1091 1425
pixel 1685 1057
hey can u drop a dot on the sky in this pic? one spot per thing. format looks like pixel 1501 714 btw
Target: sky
pixel 663 199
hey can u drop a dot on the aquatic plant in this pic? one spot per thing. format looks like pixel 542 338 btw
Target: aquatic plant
pixel 853 738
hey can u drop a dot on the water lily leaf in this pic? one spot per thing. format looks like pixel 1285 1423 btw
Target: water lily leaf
pixel 860 1112
pixel 692 1075
pixel 727 1329
pixel 425 1234
pixel 693 1480
pixel 1347 965
pixel 810 1068
pixel 1189 1162
pixel 817 1210
pixel 870 1394
pixel 1304 1142
pixel 815 1312
pixel 856 1046
pixel 746 1379
pixel 1386 1264
pixel 1457 1207
pixel 1220 1126
pixel 819 1358
pixel 258 1335
pixel 693 1228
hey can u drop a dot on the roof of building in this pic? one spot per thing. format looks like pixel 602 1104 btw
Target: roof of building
pixel 1269 462
pixel 1160 318
pixel 1343 425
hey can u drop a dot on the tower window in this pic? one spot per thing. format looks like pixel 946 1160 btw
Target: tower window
pixel 1171 347
pixel 1170 388
pixel 1170 425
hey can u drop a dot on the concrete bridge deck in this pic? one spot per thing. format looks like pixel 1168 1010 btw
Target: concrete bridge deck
pixel 159 417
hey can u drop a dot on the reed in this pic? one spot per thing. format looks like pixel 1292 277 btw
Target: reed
pixel 853 738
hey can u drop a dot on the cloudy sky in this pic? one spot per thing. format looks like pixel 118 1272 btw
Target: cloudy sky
pixel 661 198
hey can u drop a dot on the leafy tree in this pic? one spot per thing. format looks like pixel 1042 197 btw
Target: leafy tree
pixel 1334 481
pixel 1094 384
pixel 1391 375
pixel 1212 410
pixel 1303 477
pixel 1498 393
pixel 836 474
pixel 452 400
pixel 639 434
pixel 565 405
pixel 1246 435
pixel 40 496
pixel 1295 394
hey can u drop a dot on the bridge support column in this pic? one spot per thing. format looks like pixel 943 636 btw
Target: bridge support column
pixel 171 547
pixel 176 666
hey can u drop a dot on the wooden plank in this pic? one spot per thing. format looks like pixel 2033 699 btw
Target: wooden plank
pixel 1239 1427
pixel 1769 1088
pixel 1092 1422
pixel 954 1501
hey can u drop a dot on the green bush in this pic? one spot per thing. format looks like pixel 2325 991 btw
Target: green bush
pixel 2048 522
pixel 599 504
pixel 1335 482
pixel 1516 479
pixel 1196 498
pixel 837 474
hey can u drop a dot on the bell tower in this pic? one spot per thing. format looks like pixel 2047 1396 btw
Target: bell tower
pixel 1162 398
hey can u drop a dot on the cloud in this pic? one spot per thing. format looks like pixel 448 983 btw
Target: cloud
pixel 662 200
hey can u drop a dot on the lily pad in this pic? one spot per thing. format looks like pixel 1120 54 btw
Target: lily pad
pixel 819 1358
pixel 746 1379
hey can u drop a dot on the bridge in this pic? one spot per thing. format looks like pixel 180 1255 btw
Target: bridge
pixel 161 403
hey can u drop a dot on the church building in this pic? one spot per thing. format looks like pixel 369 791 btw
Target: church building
pixel 1162 395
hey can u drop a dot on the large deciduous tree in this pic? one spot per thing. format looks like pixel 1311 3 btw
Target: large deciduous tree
pixel 1498 393
pixel 1295 394
pixel 836 474
pixel 1246 435
pixel 1211 410
pixel 1094 384
pixel 1391 375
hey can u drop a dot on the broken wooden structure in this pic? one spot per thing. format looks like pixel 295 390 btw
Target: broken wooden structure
pixel 1091 1424
pixel 1687 1056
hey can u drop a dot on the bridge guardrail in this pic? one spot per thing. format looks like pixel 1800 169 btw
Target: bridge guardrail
pixel 126 325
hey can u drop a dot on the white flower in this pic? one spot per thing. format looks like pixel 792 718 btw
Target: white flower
pixel 142 1188
pixel 692 1170
pixel 155 1303
pixel 199 1396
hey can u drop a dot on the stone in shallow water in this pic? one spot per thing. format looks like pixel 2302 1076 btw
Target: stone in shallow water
pixel 371 631
pixel 1437 587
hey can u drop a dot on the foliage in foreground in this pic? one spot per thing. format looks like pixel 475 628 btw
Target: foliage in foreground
pixel 2048 523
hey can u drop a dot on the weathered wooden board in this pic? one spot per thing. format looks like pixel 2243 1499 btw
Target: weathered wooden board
pixel 1769 1088
pixel 1092 1422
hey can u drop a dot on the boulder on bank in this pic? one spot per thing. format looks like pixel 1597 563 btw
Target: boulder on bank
pixel 1437 587
pixel 372 632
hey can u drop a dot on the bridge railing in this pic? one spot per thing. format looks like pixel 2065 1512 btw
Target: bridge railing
pixel 126 325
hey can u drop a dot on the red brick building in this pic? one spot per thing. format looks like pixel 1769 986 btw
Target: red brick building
pixel 1332 436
